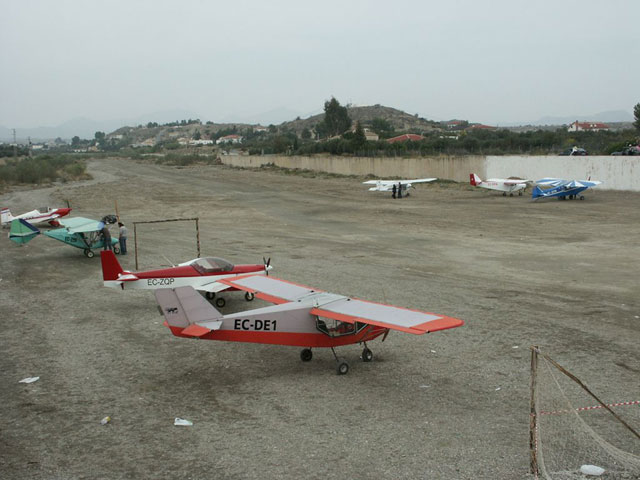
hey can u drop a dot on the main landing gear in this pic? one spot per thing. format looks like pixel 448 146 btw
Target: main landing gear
pixel 220 302
pixel 342 367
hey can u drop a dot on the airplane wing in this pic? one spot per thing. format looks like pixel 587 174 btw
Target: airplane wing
pixel 81 225
pixel 270 289
pixel 343 308
pixel 395 182
pixel 213 286
pixel 388 316
pixel 551 182
pixel 418 180
pixel 513 181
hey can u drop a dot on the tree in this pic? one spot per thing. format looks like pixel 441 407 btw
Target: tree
pixel 100 136
pixel 359 138
pixel 336 118
pixel 75 141
pixel 197 136
pixel 305 134
pixel 636 114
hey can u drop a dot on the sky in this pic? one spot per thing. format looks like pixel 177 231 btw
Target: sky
pixel 495 62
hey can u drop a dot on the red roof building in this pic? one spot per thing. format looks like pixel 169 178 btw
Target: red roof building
pixel 407 137
pixel 587 126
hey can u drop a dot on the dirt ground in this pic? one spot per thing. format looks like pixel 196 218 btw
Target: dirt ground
pixel 448 405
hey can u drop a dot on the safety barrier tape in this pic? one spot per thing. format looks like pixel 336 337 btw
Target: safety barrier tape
pixel 594 407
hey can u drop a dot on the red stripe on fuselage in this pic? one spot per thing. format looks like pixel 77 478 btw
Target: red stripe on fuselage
pixel 189 271
pixel 288 338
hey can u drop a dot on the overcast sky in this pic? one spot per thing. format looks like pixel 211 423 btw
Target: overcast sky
pixel 491 61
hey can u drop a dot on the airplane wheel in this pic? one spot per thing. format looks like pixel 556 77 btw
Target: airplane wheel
pixel 249 296
pixel 89 253
pixel 367 355
pixel 306 354
pixel 581 197
pixel 504 194
pixel 511 194
pixel 519 194
pixel 210 295
pixel 116 250
pixel 343 367
pixel 220 302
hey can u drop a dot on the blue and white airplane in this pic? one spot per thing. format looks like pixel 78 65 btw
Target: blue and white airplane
pixel 562 189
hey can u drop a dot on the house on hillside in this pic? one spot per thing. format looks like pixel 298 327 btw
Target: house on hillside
pixel 229 139
pixel 407 137
pixel 587 126
pixel 369 134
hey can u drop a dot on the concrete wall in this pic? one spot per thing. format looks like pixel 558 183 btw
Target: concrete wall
pixel 616 173
pixel 447 167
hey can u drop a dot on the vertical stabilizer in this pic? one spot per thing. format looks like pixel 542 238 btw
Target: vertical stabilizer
pixel 5 215
pixel 474 179
pixel 111 268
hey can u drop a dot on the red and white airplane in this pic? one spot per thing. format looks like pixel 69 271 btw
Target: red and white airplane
pixel 39 215
pixel 504 185
pixel 303 317
pixel 203 274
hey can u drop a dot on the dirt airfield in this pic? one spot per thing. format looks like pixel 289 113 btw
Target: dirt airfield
pixel 448 405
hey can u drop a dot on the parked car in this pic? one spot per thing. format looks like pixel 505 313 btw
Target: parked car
pixel 574 151
pixel 630 150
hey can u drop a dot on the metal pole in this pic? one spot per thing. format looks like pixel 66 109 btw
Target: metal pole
pixel 198 236
pixel 135 243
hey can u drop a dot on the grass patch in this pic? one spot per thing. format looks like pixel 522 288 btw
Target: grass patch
pixel 42 169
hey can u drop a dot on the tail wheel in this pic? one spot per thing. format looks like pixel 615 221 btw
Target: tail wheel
pixel 220 302
pixel 248 296
pixel 367 355
pixel 306 354
pixel 343 367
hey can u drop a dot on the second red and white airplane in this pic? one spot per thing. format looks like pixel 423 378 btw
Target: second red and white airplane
pixel 504 185
pixel 203 274
pixel 39 215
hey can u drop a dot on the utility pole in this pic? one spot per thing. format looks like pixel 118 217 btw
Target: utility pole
pixel 15 144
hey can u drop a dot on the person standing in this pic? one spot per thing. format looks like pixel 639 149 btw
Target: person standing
pixel 399 189
pixel 393 191
pixel 122 238
pixel 106 237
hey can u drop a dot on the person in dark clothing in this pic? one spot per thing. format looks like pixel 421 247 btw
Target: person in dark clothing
pixel 106 238
pixel 399 190
pixel 393 191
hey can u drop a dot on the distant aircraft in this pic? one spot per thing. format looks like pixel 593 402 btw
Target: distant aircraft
pixel 303 317
pixel 504 185
pixel 387 185
pixel 40 215
pixel 560 188
pixel 203 274
pixel 78 232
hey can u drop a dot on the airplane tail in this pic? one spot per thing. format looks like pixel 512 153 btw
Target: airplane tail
pixel 536 193
pixel 5 215
pixel 474 179
pixel 186 312
pixel 111 268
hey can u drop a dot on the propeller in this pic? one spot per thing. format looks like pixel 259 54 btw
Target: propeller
pixel 267 262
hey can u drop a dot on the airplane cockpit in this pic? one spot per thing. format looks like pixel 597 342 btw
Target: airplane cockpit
pixel 211 265
pixel 336 328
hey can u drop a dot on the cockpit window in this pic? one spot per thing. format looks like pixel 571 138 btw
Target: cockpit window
pixel 336 328
pixel 212 265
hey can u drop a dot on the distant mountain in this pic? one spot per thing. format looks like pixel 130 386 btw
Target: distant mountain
pixel 86 128
pixel 608 116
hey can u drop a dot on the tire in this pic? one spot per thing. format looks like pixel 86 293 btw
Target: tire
pixel 306 355
pixel 210 295
pixel 343 367
pixel 116 250
pixel 520 193
pixel 581 197
pixel 248 296
pixel 367 355
pixel 504 194
pixel 89 253
pixel 220 302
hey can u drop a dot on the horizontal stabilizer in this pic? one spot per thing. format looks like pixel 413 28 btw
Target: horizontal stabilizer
pixel 22 231
pixel 184 307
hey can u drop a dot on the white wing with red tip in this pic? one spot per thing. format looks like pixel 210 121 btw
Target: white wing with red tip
pixel 344 309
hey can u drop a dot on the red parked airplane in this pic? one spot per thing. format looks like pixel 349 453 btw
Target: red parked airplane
pixel 302 317
pixel 203 274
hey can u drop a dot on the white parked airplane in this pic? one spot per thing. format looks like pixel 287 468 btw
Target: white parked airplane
pixel 504 185
pixel 387 185
pixel 40 215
